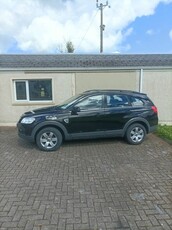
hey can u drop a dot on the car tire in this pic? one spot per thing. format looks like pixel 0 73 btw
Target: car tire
pixel 135 134
pixel 49 139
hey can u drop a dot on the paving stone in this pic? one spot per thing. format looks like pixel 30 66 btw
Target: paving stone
pixel 89 185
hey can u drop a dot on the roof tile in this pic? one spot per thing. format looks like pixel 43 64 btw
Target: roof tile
pixel 60 61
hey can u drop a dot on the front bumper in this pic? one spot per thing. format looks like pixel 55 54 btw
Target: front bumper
pixel 25 132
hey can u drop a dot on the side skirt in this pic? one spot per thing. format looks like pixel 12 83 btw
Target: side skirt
pixel 94 135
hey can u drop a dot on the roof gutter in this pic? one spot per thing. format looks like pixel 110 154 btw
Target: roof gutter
pixel 68 69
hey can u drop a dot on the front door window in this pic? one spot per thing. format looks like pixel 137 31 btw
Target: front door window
pixel 91 103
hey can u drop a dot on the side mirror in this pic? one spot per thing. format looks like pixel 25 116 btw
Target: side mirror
pixel 75 110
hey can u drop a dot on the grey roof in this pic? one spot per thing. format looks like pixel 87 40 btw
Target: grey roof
pixel 81 61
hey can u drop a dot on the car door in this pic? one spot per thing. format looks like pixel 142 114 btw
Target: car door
pixel 87 116
pixel 117 112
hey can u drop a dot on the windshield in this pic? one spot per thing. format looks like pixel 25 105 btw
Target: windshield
pixel 68 102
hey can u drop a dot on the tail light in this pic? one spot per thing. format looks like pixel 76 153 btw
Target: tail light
pixel 154 108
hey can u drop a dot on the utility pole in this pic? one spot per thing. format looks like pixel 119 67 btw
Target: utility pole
pixel 101 7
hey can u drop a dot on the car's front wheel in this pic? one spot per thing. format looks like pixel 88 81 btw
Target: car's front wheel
pixel 49 139
pixel 135 134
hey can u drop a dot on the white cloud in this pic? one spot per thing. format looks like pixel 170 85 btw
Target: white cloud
pixel 40 26
pixel 40 35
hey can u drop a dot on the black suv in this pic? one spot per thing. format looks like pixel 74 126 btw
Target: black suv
pixel 92 114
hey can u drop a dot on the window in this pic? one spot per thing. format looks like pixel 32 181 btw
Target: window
pixel 136 101
pixel 117 101
pixel 21 90
pixel 93 102
pixel 33 90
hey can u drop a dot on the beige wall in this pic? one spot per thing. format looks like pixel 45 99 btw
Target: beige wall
pixel 107 80
pixel 158 85
pixel 62 84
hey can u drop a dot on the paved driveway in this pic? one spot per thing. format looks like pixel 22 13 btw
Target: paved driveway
pixel 86 185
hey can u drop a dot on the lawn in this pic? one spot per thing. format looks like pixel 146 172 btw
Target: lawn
pixel 165 131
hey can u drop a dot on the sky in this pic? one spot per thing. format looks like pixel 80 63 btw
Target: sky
pixel 44 26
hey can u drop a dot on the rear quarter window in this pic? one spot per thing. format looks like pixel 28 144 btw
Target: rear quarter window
pixel 135 101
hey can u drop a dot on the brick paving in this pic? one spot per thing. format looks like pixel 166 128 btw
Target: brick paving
pixel 86 185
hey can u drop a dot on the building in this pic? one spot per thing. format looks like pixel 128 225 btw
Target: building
pixel 31 81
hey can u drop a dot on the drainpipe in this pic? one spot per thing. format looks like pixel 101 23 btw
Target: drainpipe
pixel 141 81
pixel 73 84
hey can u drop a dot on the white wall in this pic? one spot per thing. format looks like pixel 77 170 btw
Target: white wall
pixel 63 87
pixel 158 85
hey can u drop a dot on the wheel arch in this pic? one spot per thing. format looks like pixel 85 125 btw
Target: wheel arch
pixel 56 125
pixel 141 121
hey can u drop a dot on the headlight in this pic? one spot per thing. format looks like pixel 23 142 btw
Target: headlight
pixel 27 120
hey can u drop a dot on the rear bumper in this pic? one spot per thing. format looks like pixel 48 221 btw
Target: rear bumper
pixel 153 128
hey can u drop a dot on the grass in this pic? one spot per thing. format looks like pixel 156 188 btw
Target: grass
pixel 165 132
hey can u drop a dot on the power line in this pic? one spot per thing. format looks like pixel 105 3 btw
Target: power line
pixel 87 30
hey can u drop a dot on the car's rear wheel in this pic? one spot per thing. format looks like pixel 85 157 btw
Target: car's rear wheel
pixel 135 134
pixel 49 139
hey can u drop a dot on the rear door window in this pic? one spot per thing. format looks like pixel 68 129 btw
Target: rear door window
pixel 115 100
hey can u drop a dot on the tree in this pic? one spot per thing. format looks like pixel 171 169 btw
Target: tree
pixel 68 48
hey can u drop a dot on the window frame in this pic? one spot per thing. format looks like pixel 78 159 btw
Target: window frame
pixel 27 100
